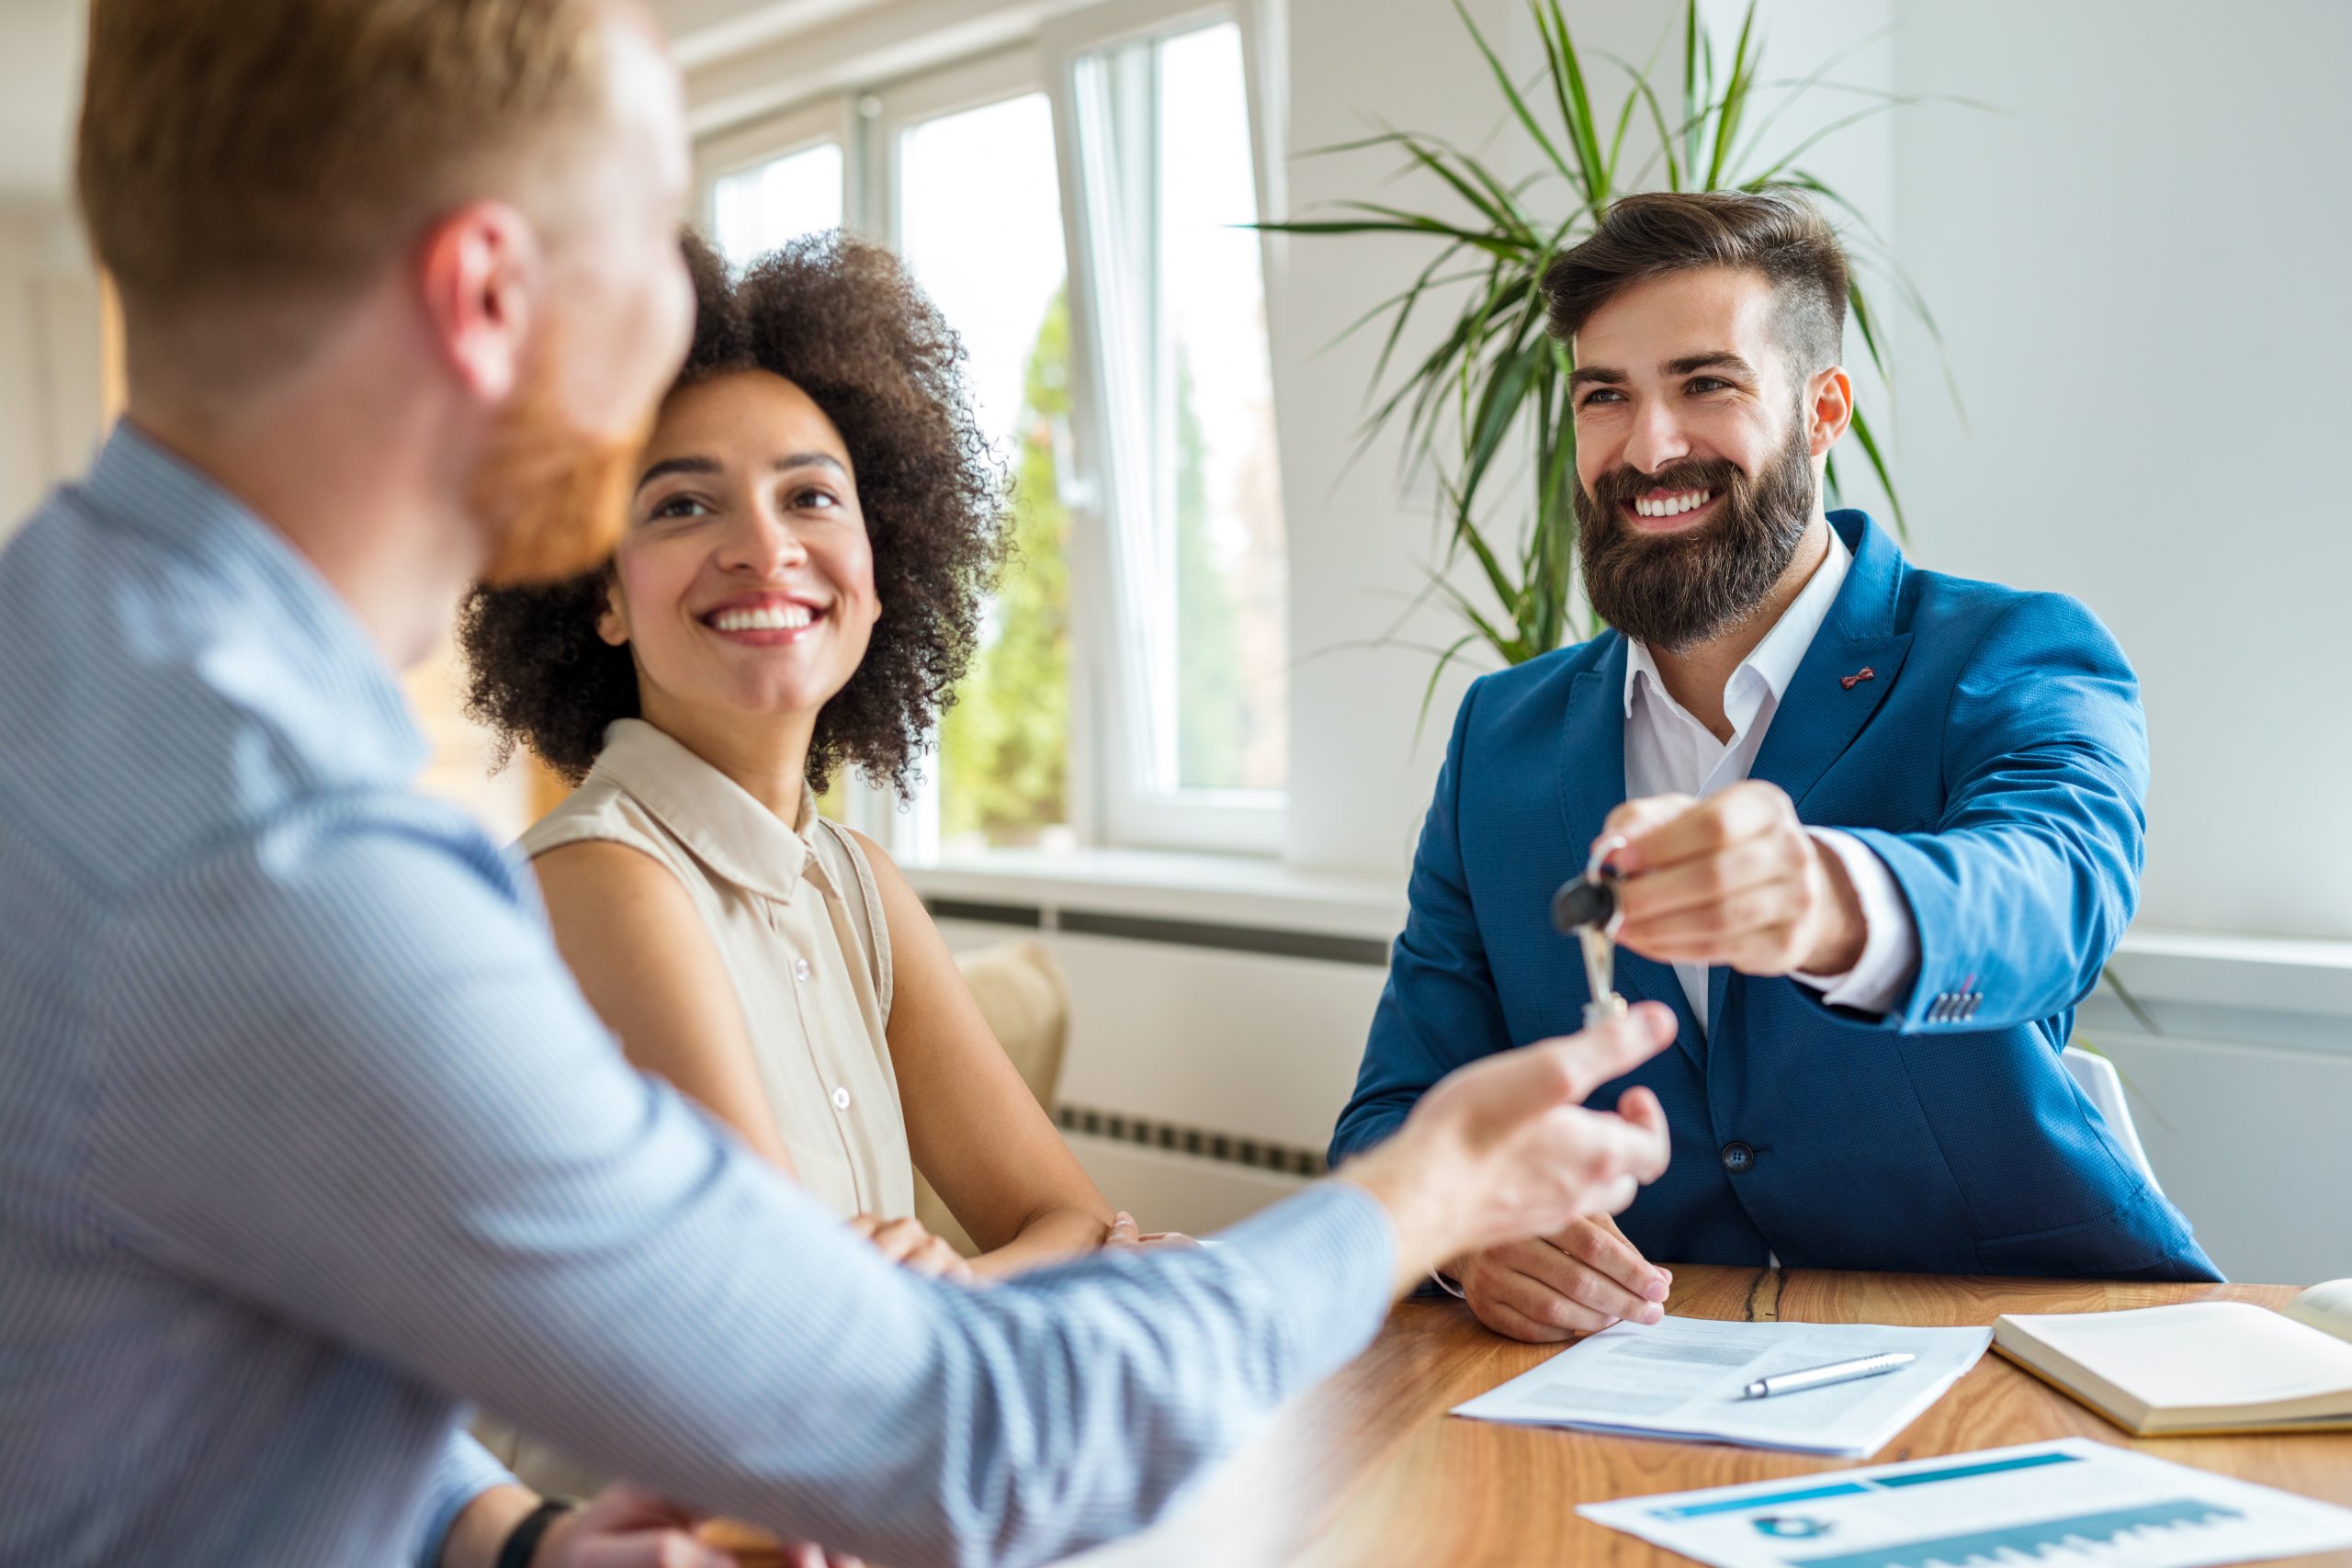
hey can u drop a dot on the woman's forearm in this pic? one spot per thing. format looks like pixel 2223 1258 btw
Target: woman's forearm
pixel 1047 1237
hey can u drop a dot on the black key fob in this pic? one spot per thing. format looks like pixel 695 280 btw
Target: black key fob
pixel 1583 902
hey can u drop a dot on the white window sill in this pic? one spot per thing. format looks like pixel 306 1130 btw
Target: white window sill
pixel 1228 890
pixel 2289 993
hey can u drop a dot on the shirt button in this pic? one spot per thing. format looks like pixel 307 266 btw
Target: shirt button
pixel 800 969
pixel 840 1100
pixel 1737 1157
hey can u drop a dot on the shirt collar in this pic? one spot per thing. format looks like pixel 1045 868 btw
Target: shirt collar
pixel 1772 664
pixel 709 813
pixel 300 656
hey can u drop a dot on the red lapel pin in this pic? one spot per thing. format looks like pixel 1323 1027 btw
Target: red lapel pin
pixel 1864 674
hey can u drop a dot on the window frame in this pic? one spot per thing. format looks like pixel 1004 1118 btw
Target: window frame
pixel 1132 813
pixel 771 136
pixel 885 112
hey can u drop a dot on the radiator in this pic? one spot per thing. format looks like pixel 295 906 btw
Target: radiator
pixel 1207 1063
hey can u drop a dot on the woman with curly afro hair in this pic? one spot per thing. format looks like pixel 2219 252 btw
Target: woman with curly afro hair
pixel 815 520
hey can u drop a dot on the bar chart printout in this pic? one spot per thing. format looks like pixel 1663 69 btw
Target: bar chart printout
pixel 2062 1504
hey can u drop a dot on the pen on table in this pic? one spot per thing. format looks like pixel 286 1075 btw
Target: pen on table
pixel 1835 1371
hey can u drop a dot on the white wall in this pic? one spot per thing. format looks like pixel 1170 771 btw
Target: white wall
pixel 49 350
pixel 2139 264
pixel 1358 541
pixel 2248 1140
pixel 23 450
pixel 49 356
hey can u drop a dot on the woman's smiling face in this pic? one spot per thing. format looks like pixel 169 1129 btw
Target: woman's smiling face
pixel 745 579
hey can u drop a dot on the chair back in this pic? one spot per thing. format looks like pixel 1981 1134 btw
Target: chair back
pixel 1026 1001
pixel 2097 1078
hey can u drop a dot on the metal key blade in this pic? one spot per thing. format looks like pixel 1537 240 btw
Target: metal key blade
pixel 1599 938
pixel 1601 976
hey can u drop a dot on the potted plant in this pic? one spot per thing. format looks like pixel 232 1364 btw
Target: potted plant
pixel 1494 370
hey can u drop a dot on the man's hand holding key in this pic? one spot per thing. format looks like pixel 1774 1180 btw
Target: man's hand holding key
pixel 1732 879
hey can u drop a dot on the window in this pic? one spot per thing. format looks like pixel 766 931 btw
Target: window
pixel 777 179
pixel 757 210
pixel 1080 210
pixel 979 221
pixel 1180 305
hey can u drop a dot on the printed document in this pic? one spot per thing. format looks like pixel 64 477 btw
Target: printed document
pixel 2073 1502
pixel 1683 1377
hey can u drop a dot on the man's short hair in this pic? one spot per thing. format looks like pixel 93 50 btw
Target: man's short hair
pixel 246 150
pixel 1648 236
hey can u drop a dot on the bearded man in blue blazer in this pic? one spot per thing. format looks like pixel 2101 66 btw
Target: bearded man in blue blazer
pixel 1882 825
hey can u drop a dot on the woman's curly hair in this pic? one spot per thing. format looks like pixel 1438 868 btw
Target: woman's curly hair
pixel 839 318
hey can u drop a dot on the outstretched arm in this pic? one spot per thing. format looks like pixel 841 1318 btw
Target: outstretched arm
pixel 2005 909
pixel 2021 892
pixel 382 1110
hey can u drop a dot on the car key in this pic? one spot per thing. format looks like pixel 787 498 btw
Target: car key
pixel 1586 908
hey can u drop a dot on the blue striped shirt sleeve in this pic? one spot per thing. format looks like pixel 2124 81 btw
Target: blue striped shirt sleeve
pixel 341 1074
pixel 463 1472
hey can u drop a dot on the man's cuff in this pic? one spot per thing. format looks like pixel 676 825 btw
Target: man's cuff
pixel 463 1472
pixel 1882 976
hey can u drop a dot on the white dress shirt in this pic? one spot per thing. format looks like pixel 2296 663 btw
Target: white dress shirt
pixel 1669 752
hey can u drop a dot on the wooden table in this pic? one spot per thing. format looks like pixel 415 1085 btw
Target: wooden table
pixel 1369 1469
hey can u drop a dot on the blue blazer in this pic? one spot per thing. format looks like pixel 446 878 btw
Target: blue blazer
pixel 1997 760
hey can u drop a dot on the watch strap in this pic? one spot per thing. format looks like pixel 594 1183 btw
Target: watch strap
pixel 522 1540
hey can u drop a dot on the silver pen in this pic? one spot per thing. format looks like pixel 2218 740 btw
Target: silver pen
pixel 1835 1371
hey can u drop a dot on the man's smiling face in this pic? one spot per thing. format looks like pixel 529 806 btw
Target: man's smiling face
pixel 1697 465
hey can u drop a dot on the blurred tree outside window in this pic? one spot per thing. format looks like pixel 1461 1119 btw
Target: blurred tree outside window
pixel 1209 696
pixel 1004 744
pixel 978 200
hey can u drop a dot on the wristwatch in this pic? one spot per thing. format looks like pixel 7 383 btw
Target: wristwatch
pixel 522 1540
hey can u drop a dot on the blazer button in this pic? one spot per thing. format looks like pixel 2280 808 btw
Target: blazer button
pixel 1737 1157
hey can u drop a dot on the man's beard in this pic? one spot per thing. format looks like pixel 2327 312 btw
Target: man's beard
pixel 1675 591
pixel 551 498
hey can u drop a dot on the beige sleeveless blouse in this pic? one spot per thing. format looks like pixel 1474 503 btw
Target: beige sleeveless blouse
pixel 798 921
